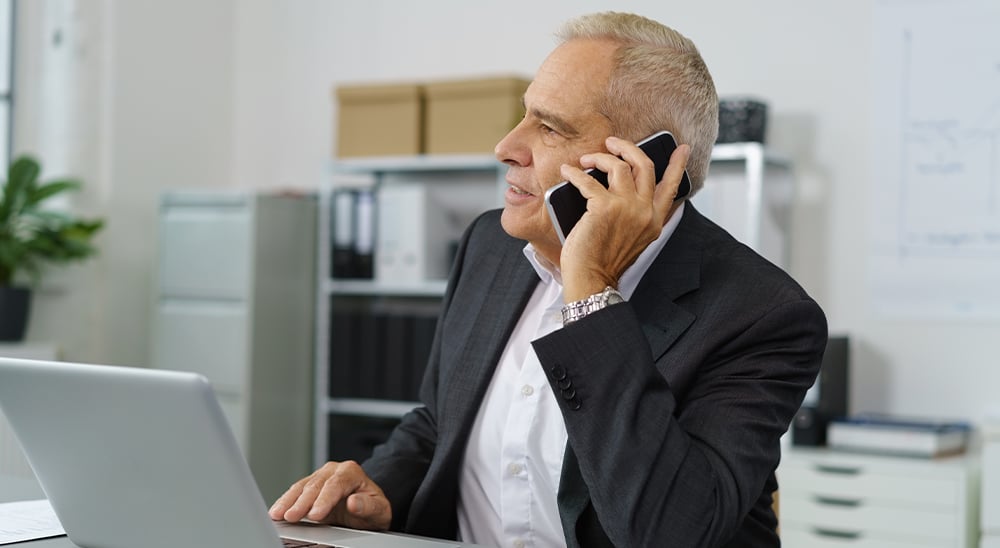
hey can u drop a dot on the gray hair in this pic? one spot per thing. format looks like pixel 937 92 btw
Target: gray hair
pixel 659 82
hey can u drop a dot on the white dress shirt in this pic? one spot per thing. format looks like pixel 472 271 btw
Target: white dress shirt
pixel 513 461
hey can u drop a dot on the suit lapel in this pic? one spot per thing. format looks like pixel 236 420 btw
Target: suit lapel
pixel 511 283
pixel 675 272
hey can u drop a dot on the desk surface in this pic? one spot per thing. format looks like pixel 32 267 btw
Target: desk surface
pixel 15 488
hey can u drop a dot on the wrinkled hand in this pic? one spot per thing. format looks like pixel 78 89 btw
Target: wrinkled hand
pixel 339 493
pixel 621 220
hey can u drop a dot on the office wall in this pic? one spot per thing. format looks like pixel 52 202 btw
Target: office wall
pixel 239 94
pixel 134 98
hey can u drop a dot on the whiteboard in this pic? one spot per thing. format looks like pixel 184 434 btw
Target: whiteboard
pixel 936 189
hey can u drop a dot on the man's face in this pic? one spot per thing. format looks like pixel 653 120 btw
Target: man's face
pixel 561 123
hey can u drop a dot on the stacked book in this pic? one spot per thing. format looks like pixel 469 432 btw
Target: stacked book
pixel 893 435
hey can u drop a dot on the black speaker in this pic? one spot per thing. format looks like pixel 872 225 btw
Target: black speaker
pixel 827 399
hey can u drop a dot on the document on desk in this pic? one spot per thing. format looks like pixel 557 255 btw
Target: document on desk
pixel 28 520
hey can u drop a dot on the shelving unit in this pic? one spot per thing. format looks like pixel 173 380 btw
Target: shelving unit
pixel 735 195
pixel 477 184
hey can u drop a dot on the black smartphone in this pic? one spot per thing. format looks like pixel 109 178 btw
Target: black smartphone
pixel 566 205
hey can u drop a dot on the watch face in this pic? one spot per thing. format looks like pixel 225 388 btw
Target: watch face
pixel 612 296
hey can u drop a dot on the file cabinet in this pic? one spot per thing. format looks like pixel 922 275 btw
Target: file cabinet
pixel 234 301
pixel 831 498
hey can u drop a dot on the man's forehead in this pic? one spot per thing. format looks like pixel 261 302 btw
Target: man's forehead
pixel 581 62
pixel 572 81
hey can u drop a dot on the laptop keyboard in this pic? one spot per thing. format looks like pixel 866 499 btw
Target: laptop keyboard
pixel 289 543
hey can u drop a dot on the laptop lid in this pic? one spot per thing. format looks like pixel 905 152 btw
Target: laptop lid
pixel 139 457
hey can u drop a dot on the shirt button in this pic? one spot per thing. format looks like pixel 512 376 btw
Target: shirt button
pixel 514 468
pixel 527 390
pixel 518 543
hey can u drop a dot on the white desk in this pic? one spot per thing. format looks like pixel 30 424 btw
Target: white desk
pixel 29 350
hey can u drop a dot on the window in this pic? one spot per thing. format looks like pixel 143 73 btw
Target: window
pixel 6 81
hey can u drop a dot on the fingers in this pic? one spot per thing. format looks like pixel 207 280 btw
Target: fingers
pixel 368 511
pixel 640 166
pixel 336 493
pixel 300 497
pixel 629 171
pixel 285 501
pixel 666 191
pixel 323 493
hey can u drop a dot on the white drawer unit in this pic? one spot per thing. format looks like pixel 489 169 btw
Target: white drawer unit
pixel 831 498
pixel 235 302
pixel 991 486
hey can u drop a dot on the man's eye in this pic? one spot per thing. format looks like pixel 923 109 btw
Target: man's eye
pixel 548 130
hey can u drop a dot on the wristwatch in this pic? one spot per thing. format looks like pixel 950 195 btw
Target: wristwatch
pixel 598 301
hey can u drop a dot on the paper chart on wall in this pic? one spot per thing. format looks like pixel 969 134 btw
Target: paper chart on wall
pixel 936 145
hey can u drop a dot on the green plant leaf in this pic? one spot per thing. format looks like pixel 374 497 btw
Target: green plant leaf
pixel 51 189
pixel 21 178
pixel 31 237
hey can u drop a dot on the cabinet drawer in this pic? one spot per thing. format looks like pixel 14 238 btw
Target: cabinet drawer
pixel 991 486
pixel 209 338
pixel 205 251
pixel 854 481
pixel 794 537
pixel 866 517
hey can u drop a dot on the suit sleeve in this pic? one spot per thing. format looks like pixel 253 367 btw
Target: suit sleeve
pixel 681 466
pixel 400 464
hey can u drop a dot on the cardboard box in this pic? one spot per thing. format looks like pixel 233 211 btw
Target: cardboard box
pixel 471 116
pixel 379 120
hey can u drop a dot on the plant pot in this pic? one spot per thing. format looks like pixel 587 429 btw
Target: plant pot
pixel 15 304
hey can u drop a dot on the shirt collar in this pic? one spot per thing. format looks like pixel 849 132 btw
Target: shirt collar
pixel 549 272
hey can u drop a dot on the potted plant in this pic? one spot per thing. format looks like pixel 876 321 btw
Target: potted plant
pixel 32 237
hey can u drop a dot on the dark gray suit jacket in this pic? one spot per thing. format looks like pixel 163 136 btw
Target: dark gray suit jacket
pixel 674 402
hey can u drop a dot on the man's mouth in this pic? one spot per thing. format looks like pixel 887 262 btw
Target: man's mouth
pixel 519 191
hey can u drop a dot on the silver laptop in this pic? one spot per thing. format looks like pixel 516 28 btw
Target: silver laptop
pixel 137 457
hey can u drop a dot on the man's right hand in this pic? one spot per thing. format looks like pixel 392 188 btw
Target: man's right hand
pixel 339 493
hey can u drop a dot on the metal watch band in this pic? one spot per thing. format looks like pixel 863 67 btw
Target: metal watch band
pixel 598 301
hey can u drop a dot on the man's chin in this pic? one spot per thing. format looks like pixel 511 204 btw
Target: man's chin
pixel 511 225
pixel 531 230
